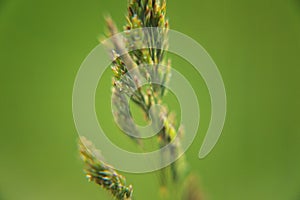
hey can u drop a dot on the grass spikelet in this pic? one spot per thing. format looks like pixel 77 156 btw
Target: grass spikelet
pixel 102 174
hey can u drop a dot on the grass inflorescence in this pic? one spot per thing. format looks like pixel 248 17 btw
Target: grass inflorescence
pixel 148 59
pixel 102 174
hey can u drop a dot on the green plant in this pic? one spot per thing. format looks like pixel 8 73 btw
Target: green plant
pixel 101 173
pixel 141 13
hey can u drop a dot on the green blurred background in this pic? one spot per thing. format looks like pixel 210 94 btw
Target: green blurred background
pixel 256 45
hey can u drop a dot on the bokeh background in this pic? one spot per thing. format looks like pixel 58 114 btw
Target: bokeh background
pixel 256 45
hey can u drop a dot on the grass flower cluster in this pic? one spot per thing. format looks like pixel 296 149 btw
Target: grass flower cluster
pixel 148 59
pixel 101 173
